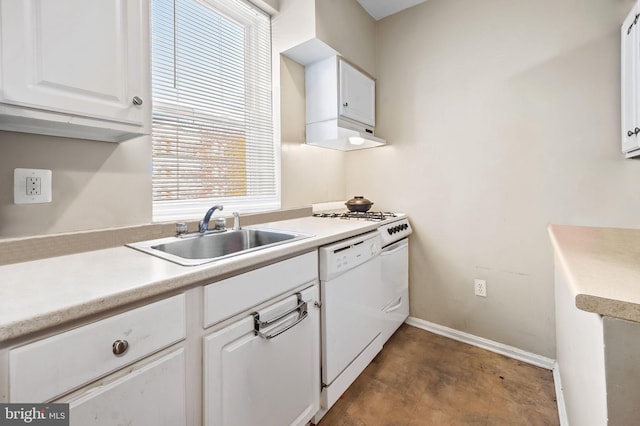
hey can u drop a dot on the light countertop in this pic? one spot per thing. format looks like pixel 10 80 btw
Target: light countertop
pixel 40 294
pixel 602 267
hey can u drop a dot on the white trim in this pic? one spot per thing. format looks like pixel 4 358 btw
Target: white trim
pixel 490 345
pixel 562 409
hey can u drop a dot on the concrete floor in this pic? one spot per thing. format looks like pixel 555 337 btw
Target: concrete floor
pixel 422 379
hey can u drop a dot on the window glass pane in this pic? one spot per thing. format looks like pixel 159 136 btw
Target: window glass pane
pixel 212 117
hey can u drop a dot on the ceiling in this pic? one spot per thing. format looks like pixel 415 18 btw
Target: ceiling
pixel 382 8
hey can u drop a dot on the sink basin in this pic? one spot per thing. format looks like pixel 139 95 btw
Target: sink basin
pixel 196 249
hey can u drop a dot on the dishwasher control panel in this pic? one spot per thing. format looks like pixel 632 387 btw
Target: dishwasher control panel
pixel 344 255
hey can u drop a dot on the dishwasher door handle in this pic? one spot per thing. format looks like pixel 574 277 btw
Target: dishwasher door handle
pixel 301 308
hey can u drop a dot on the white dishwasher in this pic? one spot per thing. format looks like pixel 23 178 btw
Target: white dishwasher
pixel 352 300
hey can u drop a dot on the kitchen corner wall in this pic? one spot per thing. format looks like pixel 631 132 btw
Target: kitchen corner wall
pixel 502 116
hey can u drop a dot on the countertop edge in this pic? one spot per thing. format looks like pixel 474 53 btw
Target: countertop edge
pixel 585 260
pixel 608 307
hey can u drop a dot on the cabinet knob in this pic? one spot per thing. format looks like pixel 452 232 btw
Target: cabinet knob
pixel 120 347
pixel 346 104
pixel 137 100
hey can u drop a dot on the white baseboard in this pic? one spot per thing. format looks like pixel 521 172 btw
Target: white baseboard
pixel 562 409
pixel 490 345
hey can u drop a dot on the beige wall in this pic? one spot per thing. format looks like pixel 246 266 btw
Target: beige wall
pixel 95 184
pixel 502 117
pixel 348 28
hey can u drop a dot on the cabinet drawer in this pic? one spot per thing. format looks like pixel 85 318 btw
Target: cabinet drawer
pixel 237 294
pixel 150 395
pixel 50 367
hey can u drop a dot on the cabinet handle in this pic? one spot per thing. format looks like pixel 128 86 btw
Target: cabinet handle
pixel 301 307
pixel 346 104
pixel 137 100
pixel 120 347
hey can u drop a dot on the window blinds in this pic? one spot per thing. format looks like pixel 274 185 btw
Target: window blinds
pixel 212 118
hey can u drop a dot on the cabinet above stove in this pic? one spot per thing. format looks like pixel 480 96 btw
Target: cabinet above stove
pixel 340 106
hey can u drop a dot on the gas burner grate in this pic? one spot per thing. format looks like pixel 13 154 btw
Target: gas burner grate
pixel 371 216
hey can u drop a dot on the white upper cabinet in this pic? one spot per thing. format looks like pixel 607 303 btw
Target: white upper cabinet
pixel 75 68
pixel 340 106
pixel 630 108
pixel 357 95
pixel 336 89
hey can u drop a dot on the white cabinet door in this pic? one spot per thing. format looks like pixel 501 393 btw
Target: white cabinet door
pixel 630 42
pixel 253 380
pixel 79 58
pixel 151 395
pixel 357 95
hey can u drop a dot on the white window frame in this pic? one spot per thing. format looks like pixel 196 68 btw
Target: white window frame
pixel 195 209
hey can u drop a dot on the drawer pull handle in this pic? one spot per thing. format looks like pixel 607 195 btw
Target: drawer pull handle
pixel 120 347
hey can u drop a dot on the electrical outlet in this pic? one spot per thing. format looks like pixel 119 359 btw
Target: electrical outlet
pixel 34 185
pixel 480 287
pixel 31 186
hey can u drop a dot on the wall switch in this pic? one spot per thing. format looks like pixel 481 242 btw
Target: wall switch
pixel 480 287
pixel 31 186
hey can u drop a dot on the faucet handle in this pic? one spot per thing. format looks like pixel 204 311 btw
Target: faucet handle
pixel 220 223
pixel 181 228
pixel 236 221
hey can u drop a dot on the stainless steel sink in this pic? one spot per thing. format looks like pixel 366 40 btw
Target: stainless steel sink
pixel 196 249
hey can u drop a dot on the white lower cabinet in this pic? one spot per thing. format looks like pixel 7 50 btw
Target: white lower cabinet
pixel 264 368
pixel 244 350
pixel 154 394
pixel 47 368
pixel 127 369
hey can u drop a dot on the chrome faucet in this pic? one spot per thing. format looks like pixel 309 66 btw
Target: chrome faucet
pixel 204 223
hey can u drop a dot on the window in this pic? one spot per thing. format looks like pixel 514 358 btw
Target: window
pixel 212 130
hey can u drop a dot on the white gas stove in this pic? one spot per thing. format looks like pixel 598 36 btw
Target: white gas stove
pixel 393 226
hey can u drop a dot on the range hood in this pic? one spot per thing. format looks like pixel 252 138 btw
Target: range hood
pixel 342 134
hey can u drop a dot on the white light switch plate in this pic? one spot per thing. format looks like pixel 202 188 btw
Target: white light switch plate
pixel 31 186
